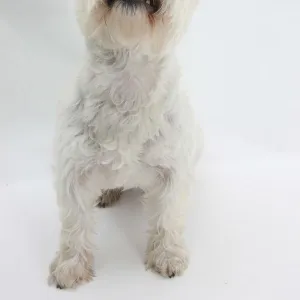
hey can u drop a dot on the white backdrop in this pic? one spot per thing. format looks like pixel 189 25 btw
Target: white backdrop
pixel 242 68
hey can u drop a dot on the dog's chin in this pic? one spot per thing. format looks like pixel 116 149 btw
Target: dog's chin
pixel 119 25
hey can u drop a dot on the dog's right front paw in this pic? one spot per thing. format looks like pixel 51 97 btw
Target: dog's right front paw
pixel 70 273
pixel 166 259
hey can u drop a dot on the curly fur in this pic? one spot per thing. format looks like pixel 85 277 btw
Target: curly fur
pixel 127 125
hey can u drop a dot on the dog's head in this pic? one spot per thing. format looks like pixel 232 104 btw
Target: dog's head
pixel 150 25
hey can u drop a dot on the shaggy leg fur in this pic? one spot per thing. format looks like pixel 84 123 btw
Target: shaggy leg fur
pixel 166 252
pixel 73 264
pixel 110 197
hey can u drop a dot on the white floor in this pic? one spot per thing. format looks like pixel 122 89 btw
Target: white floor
pixel 242 68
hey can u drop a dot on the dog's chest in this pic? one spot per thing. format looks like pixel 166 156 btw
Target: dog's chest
pixel 119 111
pixel 130 89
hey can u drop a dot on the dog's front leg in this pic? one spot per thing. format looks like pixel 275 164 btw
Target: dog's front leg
pixel 166 200
pixel 73 263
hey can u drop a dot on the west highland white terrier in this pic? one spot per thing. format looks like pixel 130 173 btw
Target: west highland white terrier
pixel 128 125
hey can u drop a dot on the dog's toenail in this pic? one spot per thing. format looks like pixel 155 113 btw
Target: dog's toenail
pixel 59 287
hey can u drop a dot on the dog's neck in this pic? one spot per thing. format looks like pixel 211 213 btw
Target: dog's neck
pixel 123 57
pixel 93 46
pixel 129 75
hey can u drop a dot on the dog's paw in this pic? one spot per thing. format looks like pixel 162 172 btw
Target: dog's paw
pixel 110 197
pixel 168 262
pixel 70 273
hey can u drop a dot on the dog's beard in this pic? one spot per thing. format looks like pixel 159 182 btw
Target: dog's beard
pixel 152 26
pixel 128 26
pixel 122 25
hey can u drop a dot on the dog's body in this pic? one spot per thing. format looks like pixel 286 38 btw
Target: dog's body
pixel 127 126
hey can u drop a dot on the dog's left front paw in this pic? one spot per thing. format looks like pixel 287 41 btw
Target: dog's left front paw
pixel 169 262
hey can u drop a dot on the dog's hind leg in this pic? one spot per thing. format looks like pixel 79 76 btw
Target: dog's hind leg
pixel 109 197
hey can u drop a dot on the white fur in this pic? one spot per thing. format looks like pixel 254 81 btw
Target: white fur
pixel 128 125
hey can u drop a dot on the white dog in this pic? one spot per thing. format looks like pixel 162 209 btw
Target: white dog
pixel 127 126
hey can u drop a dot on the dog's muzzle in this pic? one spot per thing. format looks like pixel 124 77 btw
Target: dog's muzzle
pixel 152 6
